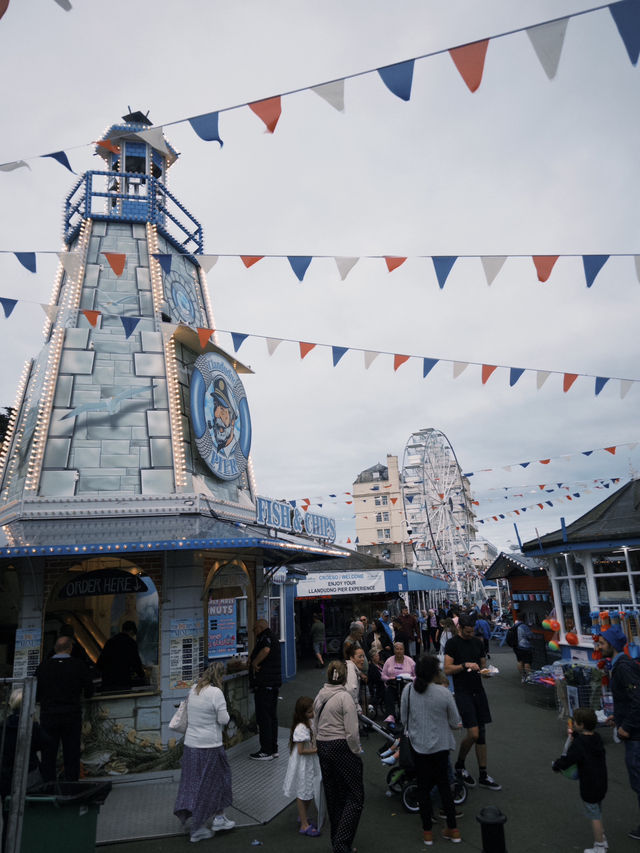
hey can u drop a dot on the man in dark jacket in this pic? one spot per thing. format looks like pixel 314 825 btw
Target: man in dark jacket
pixel 265 678
pixel 62 680
pixel 411 628
pixel 625 689
pixel 119 660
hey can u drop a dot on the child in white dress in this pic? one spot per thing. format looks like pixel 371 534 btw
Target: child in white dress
pixel 303 771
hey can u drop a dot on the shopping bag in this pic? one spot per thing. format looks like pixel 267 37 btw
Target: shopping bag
pixel 405 753
pixel 179 720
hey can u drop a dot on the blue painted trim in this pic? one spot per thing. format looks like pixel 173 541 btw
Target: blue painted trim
pixel 582 546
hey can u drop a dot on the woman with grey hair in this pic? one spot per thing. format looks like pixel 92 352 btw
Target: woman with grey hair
pixel 205 782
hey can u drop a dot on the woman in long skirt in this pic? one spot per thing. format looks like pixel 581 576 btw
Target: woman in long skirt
pixel 205 782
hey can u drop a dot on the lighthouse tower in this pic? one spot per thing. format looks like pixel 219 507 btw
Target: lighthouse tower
pixel 130 406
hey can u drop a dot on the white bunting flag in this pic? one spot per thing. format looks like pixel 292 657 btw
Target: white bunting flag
pixel 71 262
pixel 541 377
pixel 636 259
pixel 492 266
pixel 17 164
pixel 369 357
pixel 459 367
pixel 547 40
pixel 207 262
pixel 625 384
pixel 273 344
pixel 345 265
pixel 51 311
pixel 333 93
pixel 154 137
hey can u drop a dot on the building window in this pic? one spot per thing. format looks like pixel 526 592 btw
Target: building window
pixel 275 610
pixel 383 533
pixel 381 500
pixel 378 516
pixel 385 516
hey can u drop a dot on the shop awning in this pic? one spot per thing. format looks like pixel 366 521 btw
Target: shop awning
pixel 406 580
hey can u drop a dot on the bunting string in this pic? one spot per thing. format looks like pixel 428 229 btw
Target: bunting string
pixel 546 38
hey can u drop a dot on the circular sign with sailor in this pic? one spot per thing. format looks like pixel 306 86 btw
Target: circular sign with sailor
pixel 181 297
pixel 220 416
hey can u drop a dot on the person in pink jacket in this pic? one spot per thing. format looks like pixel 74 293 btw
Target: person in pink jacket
pixel 398 665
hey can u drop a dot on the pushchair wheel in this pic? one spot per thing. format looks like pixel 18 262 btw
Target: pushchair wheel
pixel 395 779
pixel 459 793
pixel 409 797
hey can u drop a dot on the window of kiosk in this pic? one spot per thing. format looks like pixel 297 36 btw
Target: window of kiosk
pixel 227 614
pixel 612 579
pixel 95 599
pixel 275 611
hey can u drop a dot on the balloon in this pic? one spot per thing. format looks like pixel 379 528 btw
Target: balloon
pixel 553 645
pixel 554 625
pixel 546 624
pixel 572 639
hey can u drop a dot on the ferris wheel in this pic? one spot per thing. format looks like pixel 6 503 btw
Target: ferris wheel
pixel 436 507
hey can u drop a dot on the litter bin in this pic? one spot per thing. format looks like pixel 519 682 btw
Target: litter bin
pixel 62 817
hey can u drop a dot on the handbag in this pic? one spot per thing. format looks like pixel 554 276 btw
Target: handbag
pixel 180 719
pixel 405 751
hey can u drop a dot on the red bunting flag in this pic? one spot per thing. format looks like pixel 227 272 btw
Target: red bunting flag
pixel 541 487
pixel 517 511
pixel 541 506
pixel 399 360
pixel 569 379
pixel 108 145
pixel 269 111
pixel 611 450
pixel 568 497
pixel 305 349
pixel 4 5
pixel 305 507
pixel 544 264
pixel 116 261
pixel 469 60
pixel 250 260
pixel 348 541
pixel 394 263
pixel 204 335
pixel 92 316
pixel 487 370
pixel 495 517
pixel 544 461
pixel 393 500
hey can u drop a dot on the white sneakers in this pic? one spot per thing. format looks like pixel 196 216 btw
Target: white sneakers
pixel 222 822
pixel 201 834
pixel 598 847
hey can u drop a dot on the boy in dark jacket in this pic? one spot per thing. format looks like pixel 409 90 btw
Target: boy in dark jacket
pixel 587 753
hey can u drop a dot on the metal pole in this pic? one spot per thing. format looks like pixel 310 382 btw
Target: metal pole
pixel 21 767
pixel 492 823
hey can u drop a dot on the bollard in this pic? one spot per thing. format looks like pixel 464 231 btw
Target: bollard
pixel 492 823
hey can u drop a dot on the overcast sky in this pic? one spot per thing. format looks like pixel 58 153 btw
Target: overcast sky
pixel 523 166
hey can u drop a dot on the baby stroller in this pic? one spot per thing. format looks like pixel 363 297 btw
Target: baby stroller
pixel 401 780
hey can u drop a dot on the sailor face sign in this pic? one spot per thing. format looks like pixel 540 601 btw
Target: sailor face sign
pixel 220 416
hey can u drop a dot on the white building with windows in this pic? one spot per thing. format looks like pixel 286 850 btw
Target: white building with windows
pixel 377 504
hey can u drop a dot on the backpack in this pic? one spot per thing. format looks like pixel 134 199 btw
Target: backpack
pixel 512 637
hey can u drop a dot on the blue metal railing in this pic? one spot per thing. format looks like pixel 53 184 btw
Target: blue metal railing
pixel 131 197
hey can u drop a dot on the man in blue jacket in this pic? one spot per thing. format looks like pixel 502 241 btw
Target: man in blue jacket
pixel 625 689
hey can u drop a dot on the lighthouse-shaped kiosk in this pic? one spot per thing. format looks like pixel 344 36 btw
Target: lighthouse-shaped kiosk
pixel 127 491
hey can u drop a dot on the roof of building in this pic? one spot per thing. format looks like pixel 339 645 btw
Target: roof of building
pixel 512 565
pixel 352 562
pixel 616 518
pixel 376 472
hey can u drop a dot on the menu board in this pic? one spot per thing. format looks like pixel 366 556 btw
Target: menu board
pixel 27 655
pixel 186 655
pixel 222 635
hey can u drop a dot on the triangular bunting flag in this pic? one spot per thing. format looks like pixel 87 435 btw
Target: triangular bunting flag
pixel 487 370
pixel 60 157
pixel 51 311
pixel 71 262
pixel 592 266
pixel 611 450
pixel 458 367
pixel 27 259
pixel 469 60
pixel 64 4
pixel 305 349
pixel 332 93
pixel 549 503
pixel 204 335
pixel 92 316
pixel 636 259
pixel 273 344
pixel 238 339
pixel 116 261
pixel 544 461
pixel 428 364
pixel 587 452
pixel 207 262
pixel 206 126
pixel 393 500
pixel 399 360
pixel 547 40
pixel 299 264
pixel 337 353
pixel 250 260
pixel 369 357
pixel 8 305
pixel 16 164
pixel 154 137
pixel 541 377
pixel 601 381
pixel 492 266
pixel 129 324
pixel 627 19
pixel 544 264
pixel 398 78
pixel 569 379
pixel 164 261
pixel 269 111
pixel 108 145
pixel 345 265
pixel 514 374
pixel 394 263
pixel 625 384
pixel 443 266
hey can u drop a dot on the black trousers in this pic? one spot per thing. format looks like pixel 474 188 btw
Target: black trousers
pixel 433 769
pixel 65 728
pixel 343 790
pixel 266 700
